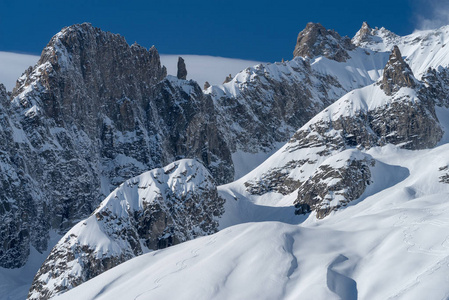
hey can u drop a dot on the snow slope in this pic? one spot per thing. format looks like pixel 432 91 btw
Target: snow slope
pixel 422 49
pixel 396 239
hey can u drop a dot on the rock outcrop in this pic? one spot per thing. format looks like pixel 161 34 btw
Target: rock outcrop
pixel 157 209
pixel 336 182
pixel 182 70
pixel 368 36
pixel 397 73
pixel 316 40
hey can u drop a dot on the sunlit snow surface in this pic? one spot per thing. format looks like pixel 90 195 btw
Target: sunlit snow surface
pixel 392 245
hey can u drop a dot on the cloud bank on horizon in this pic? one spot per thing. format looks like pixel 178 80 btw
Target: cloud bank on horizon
pixel 12 66
pixel 200 68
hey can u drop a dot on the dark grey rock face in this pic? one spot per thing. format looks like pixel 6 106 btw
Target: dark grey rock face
pixel 436 86
pixel 182 70
pixel 277 180
pixel 22 212
pixel 397 73
pixel 316 40
pixel 267 110
pixel 155 210
pixel 411 126
pixel 92 113
pixel 347 183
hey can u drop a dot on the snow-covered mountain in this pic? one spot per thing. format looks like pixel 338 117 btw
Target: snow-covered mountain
pixel 157 209
pixel 95 111
pixel 354 150
pixel 391 244
pixel 358 129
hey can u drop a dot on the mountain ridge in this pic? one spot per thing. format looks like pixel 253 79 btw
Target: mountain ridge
pixel 346 105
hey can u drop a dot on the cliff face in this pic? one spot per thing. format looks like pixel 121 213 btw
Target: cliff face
pixel 92 113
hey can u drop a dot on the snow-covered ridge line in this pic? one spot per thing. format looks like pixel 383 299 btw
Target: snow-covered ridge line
pixel 422 49
pixel 362 68
pixel 157 209
pixel 386 240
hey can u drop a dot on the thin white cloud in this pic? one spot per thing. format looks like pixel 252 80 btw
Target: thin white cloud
pixel 12 65
pixel 431 14
pixel 202 68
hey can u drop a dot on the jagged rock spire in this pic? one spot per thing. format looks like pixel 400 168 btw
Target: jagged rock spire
pixel 363 35
pixel 316 40
pixel 397 73
pixel 182 70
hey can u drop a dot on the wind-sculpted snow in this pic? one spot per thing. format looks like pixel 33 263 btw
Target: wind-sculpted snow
pixel 155 210
pixel 396 239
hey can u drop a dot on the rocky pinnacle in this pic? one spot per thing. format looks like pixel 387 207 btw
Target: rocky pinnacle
pixel 182 70
pixel 397 73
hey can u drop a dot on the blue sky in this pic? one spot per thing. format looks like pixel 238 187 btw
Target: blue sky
pixel 259 30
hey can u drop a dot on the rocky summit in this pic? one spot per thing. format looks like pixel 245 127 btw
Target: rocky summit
pixel 397 73
pixel 316 40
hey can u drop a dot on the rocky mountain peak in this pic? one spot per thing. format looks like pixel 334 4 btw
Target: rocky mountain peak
pixel 102 64
pixel 363 35
pixel 316 40
pixel 397 73
pixel 93 108
pixel 374 38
